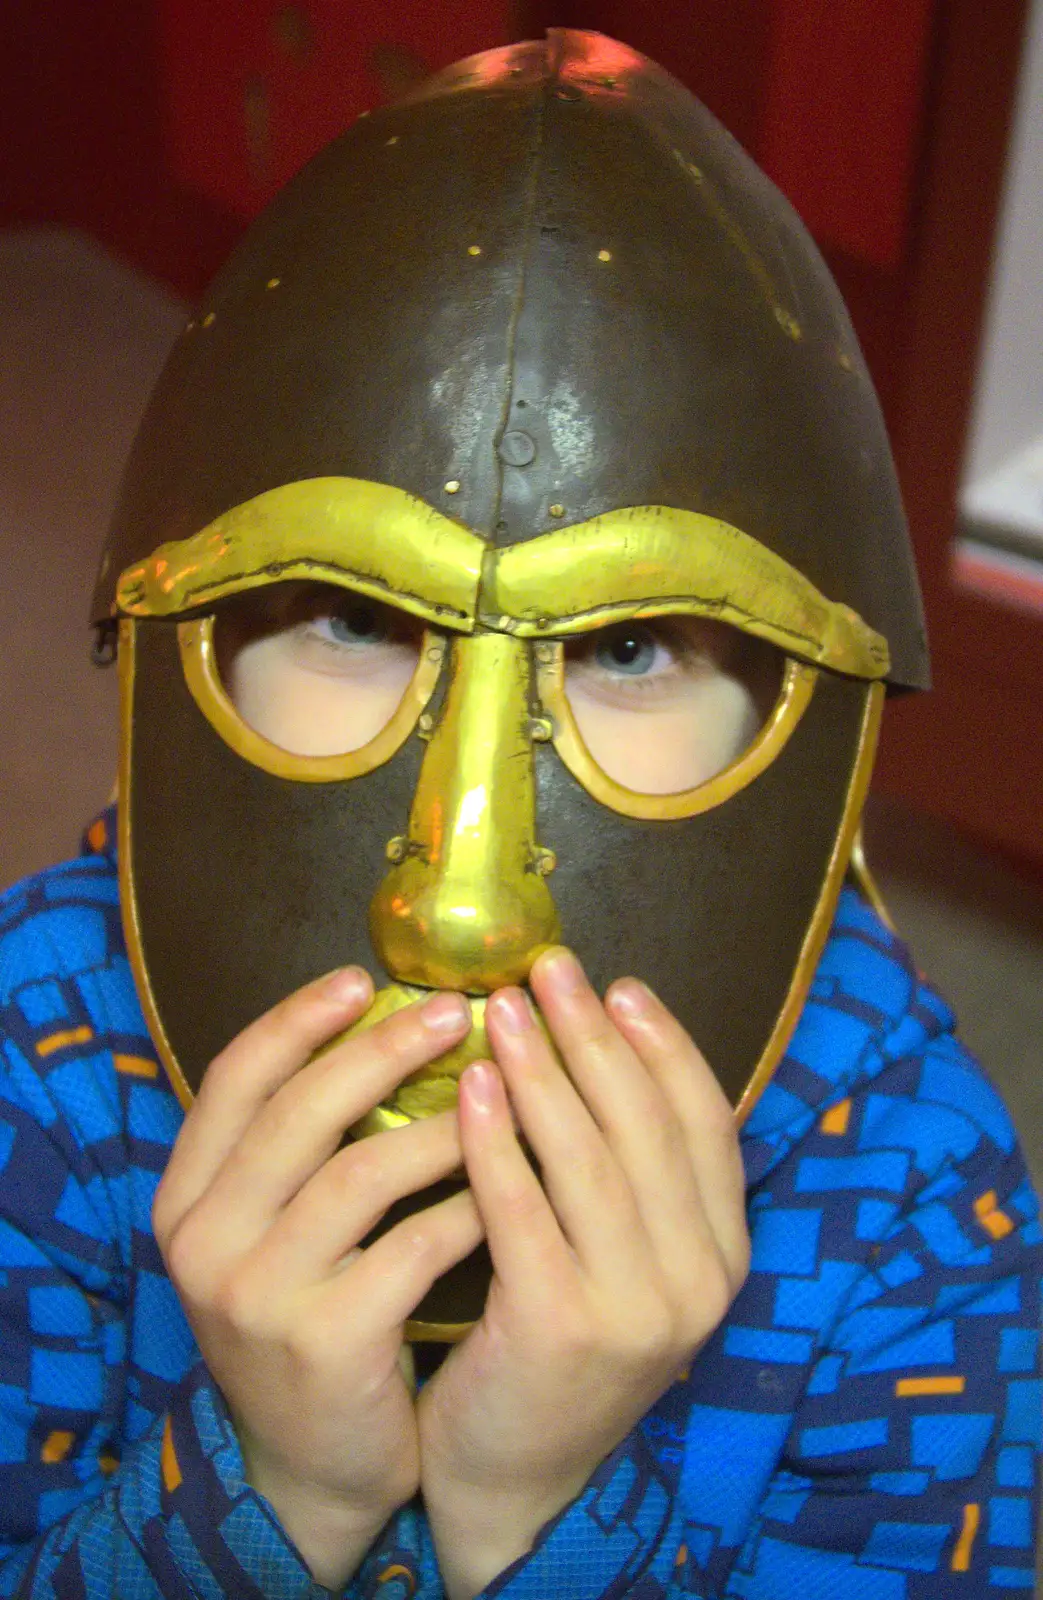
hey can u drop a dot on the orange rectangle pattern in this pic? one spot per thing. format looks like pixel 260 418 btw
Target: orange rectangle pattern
pixel 906 1388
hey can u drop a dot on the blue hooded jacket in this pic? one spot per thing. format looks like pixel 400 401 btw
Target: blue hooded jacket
pixel 865 1422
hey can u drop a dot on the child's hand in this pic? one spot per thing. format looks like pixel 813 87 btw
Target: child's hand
pixel 258 1216
pixel 607 1278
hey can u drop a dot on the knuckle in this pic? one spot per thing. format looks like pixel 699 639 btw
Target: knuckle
pixel 650 1333
pixel 223 1078
pixel 293 1113
pixel 163 1219
pixel 419 1242
pixel 592 1167
pixel 717 1115
pixel 235 1303
pixel 361 1169
pixel 660 1127
pixel 419 1247
pixel 287 1014
pixel 306 1340
pixel 184 1258
pixel 520 1203
pixel 399 1036
pixel 360 1176
pixel 598 1040
pixel 709 1305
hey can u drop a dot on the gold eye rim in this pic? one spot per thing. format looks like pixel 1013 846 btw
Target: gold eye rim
pixel 798 685
pixel 199 664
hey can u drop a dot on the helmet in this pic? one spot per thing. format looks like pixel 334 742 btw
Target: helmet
pixel 536 352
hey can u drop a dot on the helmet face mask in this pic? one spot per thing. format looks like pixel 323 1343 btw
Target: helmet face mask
pixel 461 450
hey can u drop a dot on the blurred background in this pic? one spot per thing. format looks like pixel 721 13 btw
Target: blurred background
pixel 137 138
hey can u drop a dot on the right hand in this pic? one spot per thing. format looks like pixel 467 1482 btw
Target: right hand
pixel 259 1217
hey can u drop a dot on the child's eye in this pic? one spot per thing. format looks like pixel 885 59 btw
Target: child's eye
pixel 629 657
pixel 662 705
pixel 358 622
pixel 314 669
pixel 632 650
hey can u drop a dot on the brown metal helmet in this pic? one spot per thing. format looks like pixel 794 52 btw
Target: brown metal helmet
pixel 537 350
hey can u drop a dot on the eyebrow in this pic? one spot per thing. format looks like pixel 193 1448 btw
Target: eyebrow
pixel 368 537
pixel 652 560
pixel 382 542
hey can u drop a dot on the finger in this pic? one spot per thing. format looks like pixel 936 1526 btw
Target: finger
pixel 246 1073
pixel 297 1130
pixel 587 1189
pixel 699 1103
pixel 294 1131
pixel 337 1207
pixel 529 1254
pixel 638 1121
pixel 383 1285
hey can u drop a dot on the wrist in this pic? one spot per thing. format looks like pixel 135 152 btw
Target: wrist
pixel 478 1533
pixel 330 1532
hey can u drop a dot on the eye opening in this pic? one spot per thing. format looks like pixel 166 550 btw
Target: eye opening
pixel 355 618
pixel 779 689
pixel 682 645
pixel 205 661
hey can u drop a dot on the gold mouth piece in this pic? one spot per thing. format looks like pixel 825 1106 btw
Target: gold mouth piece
pixel 433 1088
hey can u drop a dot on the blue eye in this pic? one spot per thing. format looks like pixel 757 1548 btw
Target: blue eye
pixel 358 622
pixel 626 649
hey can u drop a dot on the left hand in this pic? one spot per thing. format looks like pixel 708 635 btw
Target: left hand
pixel 610 1270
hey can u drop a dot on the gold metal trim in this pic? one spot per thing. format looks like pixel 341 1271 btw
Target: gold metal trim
pixel 465 907
pixel 199 662
pixel 867 883
pixel 822 917
pixel 358 535
pixel 432 1088
pixel 415 1332
pixel 650 560
pixel 437 1332
pixel 798 684
pixel 642 561
pixel 125 867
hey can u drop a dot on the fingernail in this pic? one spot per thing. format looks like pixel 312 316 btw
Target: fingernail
pixel 346 984
pixel 563 970
pixel 511 1010
pixel 445 1013
pixel 631 997
pixel 481 1085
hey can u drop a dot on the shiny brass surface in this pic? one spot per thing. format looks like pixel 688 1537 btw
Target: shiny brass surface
pixel 867 882
pixel 651 560
pixel 369 537
pixel 437 1332
pixel 468 907
pixel 825 906
pixel 125 863
pixel 198 659
pixel 434 1087
pixel 798 684
pixel 641 561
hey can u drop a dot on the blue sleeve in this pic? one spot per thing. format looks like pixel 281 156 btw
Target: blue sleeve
pixel 910 1470
pixel 119 1470
pixel 623 1534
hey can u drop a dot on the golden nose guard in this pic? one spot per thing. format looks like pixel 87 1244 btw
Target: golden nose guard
pixel 467 905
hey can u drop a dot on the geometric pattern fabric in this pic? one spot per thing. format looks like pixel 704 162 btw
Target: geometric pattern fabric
pixel 866 1422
